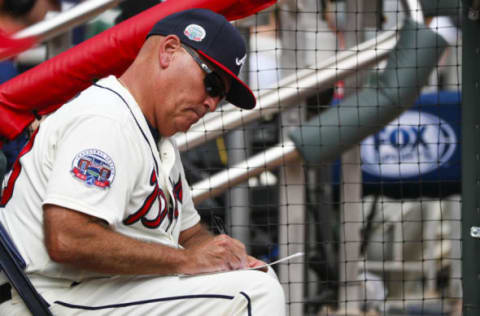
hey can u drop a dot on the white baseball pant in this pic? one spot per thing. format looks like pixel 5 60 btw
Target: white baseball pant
pixel 245 292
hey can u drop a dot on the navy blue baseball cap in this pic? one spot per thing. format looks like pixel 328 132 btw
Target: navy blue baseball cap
pixel 214 38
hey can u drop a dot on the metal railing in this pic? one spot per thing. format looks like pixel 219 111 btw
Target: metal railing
pixel 66 20
pixel 289 91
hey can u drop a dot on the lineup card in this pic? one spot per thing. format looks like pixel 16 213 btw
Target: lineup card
pixel 295 255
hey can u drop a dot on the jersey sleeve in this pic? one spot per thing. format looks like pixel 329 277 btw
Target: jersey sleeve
pixel 93 168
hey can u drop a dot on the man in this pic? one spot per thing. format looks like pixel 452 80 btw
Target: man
pixel 98 204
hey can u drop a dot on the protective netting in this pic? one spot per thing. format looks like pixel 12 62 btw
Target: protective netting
pixel 375 201
pixel 351 157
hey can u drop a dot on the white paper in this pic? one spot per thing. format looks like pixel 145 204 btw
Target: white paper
pixel 295 255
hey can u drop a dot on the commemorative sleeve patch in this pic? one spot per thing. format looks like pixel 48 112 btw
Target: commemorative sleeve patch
pixel 94 168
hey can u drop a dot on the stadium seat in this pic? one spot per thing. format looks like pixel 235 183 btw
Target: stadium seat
pixel 12 265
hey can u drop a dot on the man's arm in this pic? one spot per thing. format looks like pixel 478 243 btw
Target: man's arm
pixel 194 235
pixel 87 242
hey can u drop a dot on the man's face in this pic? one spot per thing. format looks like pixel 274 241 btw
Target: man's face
pixel 190 100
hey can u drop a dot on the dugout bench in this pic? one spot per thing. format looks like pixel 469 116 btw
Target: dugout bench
pixel 12 265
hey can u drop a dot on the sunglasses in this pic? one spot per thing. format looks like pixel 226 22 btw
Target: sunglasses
pixel 214 85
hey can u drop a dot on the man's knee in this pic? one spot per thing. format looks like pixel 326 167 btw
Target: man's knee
pixel 268 287
pixel 265 294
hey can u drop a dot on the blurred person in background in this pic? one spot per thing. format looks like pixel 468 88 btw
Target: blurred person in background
pixel 16 15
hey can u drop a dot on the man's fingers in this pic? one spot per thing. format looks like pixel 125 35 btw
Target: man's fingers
pixel 236 254
pixel 240 253
pixel 254 262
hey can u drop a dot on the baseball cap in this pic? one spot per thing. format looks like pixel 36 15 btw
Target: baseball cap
pixel 214 38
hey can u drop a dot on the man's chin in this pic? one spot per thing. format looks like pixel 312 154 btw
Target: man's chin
pixel 184 127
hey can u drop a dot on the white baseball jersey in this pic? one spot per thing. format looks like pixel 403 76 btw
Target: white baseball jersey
pixel 97 155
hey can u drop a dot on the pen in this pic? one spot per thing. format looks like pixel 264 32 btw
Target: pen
pixel 218 223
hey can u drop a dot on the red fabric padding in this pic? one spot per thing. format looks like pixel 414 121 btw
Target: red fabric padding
pixel 10 47
pixel 46 87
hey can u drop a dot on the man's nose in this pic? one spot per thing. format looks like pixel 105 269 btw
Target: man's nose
pixel 212 102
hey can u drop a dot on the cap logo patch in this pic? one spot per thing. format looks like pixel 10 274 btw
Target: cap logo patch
pixel 240 61
pixel 195 32
pixel 94 167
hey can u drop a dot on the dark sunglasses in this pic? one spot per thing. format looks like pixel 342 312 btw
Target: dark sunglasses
pixel 214 85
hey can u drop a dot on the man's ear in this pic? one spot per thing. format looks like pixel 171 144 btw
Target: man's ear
pixel 169 45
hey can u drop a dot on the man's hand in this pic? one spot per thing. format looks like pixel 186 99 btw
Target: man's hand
pixel 254 262
pixel 207 253
pixel 219 253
